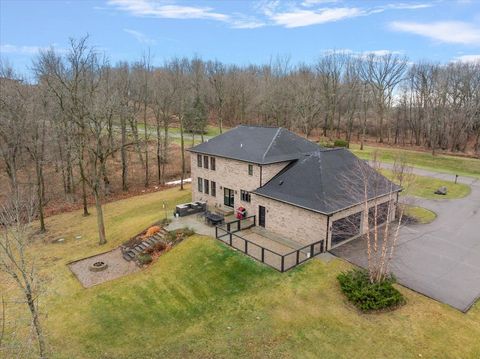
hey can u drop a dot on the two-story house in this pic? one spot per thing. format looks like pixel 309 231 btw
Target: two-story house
pixel 294 187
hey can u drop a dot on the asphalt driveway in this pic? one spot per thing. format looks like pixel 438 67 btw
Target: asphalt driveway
pixel 442 259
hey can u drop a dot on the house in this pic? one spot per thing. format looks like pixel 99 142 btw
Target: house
pixel 294 187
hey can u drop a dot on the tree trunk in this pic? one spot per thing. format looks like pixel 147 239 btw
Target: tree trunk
pixel 146 143
pixel 100 223
pixel 84 189
pixel 40 195
pixel 182 145
pixel 123 154
pixel 36 323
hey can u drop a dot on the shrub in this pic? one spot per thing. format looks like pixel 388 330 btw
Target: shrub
pixel 367 296
pixel 151 231
pixel 144 258
pixel 340 143
pixel 180 234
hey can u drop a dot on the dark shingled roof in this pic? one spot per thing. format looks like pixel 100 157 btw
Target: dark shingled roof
pixel 326 181
pixel 261 145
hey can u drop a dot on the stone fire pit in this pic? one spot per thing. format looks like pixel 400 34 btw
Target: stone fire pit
pixel 98 266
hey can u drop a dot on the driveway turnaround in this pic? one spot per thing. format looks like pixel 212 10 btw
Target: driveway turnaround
pixel 442 259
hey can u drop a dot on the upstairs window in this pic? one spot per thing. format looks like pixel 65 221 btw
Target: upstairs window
pixel 200 184
pixel 199 160
pixel 213 191
pixel 205 162
pixel 212 163
pixel 250 170
pixel 245 196
pixel 206 185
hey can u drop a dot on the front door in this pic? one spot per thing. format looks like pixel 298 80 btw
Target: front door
pixel 228 197
pixel 261 216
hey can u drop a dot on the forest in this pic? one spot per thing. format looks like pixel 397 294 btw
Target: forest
pixel 80 130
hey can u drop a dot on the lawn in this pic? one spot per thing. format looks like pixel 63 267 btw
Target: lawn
pixel 425 187
pixel 422 215
pixel 204 300
pixel 440 163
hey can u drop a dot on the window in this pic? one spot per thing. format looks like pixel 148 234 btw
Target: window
pixel 200 184
pixel 206 186
pixel 205 162
pixel 212 163
pixel 245 196
pixel 213 191
pixel 250 170
pixel 199 160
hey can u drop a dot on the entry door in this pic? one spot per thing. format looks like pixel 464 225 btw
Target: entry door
pixel 228 197
pixel 261 216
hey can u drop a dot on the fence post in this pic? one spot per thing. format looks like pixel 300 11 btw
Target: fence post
pixel 230 239
pixel 238 226
pixel 228 227
pixel 263 254
pixel 311 250
pixel 254 220
pixel 283 262
pixel 246 247
pixel 298 256
pixel 216 232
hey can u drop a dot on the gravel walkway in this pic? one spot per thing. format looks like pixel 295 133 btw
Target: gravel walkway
pixel 117 267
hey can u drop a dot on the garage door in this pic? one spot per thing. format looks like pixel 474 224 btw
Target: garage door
pixel 346 228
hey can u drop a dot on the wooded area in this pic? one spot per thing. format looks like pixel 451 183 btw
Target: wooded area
pixel 84 128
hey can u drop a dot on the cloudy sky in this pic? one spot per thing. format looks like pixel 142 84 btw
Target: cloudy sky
pixel 243 32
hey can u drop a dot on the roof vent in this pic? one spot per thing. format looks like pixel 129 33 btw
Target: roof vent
pixel 280 182
pixel 241 145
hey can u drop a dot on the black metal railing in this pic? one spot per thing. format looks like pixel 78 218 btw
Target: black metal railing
pixel 281 262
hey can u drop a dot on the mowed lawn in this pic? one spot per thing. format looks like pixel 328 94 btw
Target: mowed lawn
pixel 204 300
pixel 425 187
pixel 462 166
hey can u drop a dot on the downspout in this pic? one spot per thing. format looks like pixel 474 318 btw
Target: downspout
pixel 261 167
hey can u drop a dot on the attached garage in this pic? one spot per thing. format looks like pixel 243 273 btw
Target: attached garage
pixel 346 228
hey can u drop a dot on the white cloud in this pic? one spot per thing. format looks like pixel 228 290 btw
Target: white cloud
pixel 299 18
pixel 408 6
pixel 140 37
pixel 454 32
pixel 155 9
pixel 468 58
pixel 308 3
pixel 27 50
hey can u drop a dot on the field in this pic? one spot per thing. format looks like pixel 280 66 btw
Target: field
pixel 421 215
pixel 462 166
pixel 204 300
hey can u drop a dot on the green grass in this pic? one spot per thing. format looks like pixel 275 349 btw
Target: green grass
pixel 425 187
pixel 420 214
pixel 204 300
pixel 440 163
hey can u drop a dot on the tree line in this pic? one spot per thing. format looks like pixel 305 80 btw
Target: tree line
pixel 82 112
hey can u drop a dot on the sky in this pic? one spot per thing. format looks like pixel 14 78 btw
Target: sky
pixel 242 32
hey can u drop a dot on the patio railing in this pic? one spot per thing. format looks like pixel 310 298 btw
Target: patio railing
pixel 281 262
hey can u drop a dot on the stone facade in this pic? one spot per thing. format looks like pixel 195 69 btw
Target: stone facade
pixel 230 174
pixel 306 226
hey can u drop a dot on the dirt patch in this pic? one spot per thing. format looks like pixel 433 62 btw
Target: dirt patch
pixel 116 267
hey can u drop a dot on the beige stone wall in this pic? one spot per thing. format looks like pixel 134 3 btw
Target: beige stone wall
pixel 302 225
pixel 231 174
pixel 293 222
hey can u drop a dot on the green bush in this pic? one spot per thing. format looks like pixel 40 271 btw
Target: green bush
pixel 144 258
pixel 340 143
pixel 367 296
pixel 180 234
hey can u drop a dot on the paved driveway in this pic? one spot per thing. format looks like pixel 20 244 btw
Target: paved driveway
pixel 442 259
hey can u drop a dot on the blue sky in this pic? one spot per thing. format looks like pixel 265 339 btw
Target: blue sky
pixel 243 32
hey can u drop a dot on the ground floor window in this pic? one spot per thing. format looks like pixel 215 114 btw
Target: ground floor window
pixel 228 197
pixel 213 190
pixel 200 184
pixel 245 196
pixel 206 186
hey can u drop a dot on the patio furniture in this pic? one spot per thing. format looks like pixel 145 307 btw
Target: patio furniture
pixel 213 218
pixel 187 209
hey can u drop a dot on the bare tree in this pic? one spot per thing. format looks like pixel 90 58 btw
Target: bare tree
pixel 16 262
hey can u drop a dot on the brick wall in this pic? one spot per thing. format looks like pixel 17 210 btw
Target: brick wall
pixel 231 174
